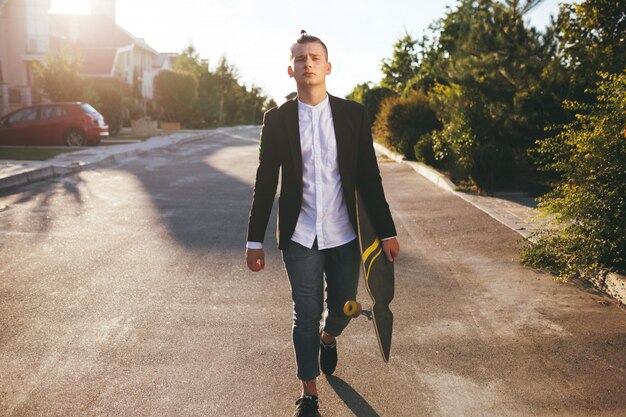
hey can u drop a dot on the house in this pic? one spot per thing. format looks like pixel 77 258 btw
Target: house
pixel 28 33
pixel 24 38
pixel 108 50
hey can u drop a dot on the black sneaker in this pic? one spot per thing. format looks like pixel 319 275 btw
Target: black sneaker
pixel 306 406
pixel 328 357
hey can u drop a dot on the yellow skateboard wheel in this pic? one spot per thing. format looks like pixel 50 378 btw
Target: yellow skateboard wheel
pixel 352 308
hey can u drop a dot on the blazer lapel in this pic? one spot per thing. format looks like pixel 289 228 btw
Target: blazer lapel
pixel 293 137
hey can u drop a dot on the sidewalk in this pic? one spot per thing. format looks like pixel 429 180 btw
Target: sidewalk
pixel 18 173
pixel 517 211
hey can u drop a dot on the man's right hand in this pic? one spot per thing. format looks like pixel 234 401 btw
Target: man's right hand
pixel 255 259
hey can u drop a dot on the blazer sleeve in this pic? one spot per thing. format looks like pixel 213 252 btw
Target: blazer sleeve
pixel 266 182
pixel 369 182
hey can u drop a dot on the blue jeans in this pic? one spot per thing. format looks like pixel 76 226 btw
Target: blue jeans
pixel 306 269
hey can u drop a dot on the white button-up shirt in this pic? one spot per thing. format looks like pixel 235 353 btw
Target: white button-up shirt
pixel 323 213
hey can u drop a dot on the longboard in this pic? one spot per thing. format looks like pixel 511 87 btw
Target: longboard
pixel 378 274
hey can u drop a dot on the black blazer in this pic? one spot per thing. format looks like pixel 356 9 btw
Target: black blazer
pixel 280 150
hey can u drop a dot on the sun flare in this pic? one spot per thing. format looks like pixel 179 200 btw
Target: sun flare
pixel 70 7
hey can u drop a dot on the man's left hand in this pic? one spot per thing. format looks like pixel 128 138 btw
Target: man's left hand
pixel 391 247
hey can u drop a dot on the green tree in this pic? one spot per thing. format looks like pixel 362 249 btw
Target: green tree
pixel 229 92
pixel 370 97
pixel 491 98
pixel 60 77
pixel 358 92
pixel 176 94
pixel 221 99
pixel 189 62
pixel 430 55
pixel 402 65
pixel 591 39
pixel 255 104
pixel 205 110
pixel 589 205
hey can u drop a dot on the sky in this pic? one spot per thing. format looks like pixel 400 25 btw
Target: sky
pixel 256 35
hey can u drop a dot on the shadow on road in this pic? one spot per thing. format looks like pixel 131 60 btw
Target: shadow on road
pixel 355 402
pixel 43 196
pixel 198 191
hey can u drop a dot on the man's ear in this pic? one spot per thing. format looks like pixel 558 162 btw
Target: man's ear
pixel 290 71
pixel 329 68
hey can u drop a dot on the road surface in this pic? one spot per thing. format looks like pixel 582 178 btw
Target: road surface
pixel 124 292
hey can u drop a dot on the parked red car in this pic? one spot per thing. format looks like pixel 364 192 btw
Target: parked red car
pixel 71 124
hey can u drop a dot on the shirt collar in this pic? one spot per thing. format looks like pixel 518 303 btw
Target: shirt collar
pixel 318 107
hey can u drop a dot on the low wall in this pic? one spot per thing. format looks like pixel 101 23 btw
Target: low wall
pixel 144 127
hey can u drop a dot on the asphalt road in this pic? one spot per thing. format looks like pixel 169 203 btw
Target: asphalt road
pixel 124 292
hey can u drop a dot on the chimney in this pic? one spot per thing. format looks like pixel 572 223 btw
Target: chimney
pixel 103 8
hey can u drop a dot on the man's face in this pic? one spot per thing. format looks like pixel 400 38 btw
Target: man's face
pixel 309 65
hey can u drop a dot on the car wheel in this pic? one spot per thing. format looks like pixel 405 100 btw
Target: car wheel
pixel 75 138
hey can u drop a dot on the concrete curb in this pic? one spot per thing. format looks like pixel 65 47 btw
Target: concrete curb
pixel 615 286
pixel 424 170
pixel 65 164
pixel 443 182
pixel 610 283
pixel 26 177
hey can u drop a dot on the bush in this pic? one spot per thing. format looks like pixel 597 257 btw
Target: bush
pixel 401 121
pixel 370 97
pixel 426 151
pixel 478 136
pixel 131 110
pixel 494 166
pixel 110 105
pixel 176 94
pixel 589 204
pixel 423 150
pixel 60 77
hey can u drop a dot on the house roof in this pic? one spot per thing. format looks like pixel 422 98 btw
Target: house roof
pixel 98 61
pixel 91 31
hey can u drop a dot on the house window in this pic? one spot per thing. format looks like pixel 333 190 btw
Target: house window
pixel 37 28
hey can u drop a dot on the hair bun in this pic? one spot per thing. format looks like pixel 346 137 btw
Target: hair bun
pixel 303 32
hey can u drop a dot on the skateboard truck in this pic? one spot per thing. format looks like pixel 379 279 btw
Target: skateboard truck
pixel 353 309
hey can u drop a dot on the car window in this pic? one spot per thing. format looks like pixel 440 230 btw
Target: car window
pixel 88 108
pixel 51 112
pixel 24 115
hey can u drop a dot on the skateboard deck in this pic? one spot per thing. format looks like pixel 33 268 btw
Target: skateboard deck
pixel 378 274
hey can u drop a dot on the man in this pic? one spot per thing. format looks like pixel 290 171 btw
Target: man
pixel 322 146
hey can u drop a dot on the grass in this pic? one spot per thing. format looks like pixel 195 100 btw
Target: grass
pixel 42 153
pixel 24 153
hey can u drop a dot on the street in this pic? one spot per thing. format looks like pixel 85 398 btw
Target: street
pixel 124 292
